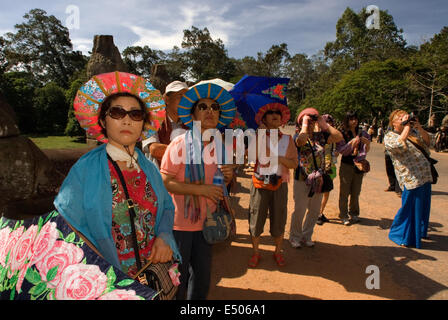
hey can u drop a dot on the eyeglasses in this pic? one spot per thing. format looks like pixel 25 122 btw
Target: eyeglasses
pixel 273 112
pixel 214 107
pixel 118 113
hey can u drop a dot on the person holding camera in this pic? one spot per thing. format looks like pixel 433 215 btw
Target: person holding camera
pixel 407 145
pixel 312 134
pixel 352 169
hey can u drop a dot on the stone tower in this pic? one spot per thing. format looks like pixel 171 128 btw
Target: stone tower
pixel 105 57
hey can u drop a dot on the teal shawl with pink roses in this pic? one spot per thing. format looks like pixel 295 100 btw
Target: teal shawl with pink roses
pixel 85 201
pixel 44 259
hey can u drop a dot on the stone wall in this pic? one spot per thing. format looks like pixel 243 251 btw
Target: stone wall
pixel 28 179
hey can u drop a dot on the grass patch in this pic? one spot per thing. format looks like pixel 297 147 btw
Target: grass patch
pixel 58 142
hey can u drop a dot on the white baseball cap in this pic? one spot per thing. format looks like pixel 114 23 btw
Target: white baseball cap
pixel 176 86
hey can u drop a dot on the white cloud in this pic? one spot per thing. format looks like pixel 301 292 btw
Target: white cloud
pixel 188 15
pixel 82 44
pixel 155 38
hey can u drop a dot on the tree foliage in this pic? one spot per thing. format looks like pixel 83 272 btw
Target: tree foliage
pixel 430 75
pixel 18 90
pixel 206 58
pixel 371 71
pixel 374 90
pixel 141 59
pixel 50 109
pixel 42 46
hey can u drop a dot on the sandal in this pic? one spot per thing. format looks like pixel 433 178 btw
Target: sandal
pixel 253 262
pixel 278 257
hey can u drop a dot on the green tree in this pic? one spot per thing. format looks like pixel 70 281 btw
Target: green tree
pixel 247 65
pixel 141 59
pixel 374 90
pixel 206 58
pixel 3 60
pixel 51 109
pixel 18 90
pixel 355 44
pixel 176 64
pixel 42 46
pixel 430 75
pixel 273 61
pixel 73 128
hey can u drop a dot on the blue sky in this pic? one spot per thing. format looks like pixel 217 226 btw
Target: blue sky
pixel 245 26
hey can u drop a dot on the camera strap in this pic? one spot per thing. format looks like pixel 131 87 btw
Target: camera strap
pixel 314 157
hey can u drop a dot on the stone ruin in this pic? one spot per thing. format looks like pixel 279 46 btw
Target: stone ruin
pixel 28 179
pixel 105 57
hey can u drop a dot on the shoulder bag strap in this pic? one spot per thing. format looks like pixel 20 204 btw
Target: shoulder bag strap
pixel 419 148
pixel 314 157
pixel 132 214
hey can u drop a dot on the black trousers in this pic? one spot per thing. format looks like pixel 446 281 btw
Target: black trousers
pixel 393 183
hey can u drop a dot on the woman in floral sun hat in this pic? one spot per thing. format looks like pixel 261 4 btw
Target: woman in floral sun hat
pixel 119 109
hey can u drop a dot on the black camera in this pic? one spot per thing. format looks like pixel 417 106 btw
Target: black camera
pixel 313 117
pixel 271 179
pixel 412 119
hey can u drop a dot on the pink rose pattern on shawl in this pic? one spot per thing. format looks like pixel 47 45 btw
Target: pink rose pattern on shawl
pixel 63 275
pixel 120 295
pixel 81 282
pixel 62 255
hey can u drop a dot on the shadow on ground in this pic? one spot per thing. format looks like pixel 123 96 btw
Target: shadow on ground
pixel 345 265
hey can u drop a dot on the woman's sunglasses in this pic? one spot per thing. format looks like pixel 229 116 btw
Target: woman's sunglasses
pixel 119 113
pixel 214 107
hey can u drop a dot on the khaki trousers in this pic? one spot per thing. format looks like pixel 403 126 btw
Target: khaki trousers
pixel 303 220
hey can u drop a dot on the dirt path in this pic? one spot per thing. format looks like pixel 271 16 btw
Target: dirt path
pixel 336 267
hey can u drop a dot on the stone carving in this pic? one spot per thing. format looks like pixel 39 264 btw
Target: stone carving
pixel 28 179
pixel 105 57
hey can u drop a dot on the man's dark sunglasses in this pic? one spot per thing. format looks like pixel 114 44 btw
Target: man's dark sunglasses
pixel 117 112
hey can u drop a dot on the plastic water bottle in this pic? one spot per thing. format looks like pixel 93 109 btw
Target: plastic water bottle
pixel 218 180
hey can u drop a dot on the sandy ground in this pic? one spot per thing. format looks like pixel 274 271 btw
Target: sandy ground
pixel 336 267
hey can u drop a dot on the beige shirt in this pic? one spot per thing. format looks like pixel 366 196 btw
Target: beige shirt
pixel 412 169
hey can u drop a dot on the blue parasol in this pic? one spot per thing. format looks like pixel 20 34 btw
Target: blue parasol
pixel 255 95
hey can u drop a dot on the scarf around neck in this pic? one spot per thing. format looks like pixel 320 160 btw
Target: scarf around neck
pixel 119 155
pixel 194 173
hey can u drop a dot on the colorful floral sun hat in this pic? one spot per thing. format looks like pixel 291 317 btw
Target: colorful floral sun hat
pixel 286 114
pixel 89 97
pixel 212 91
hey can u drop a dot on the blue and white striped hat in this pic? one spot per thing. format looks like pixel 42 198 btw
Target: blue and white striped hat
pixel 207 90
